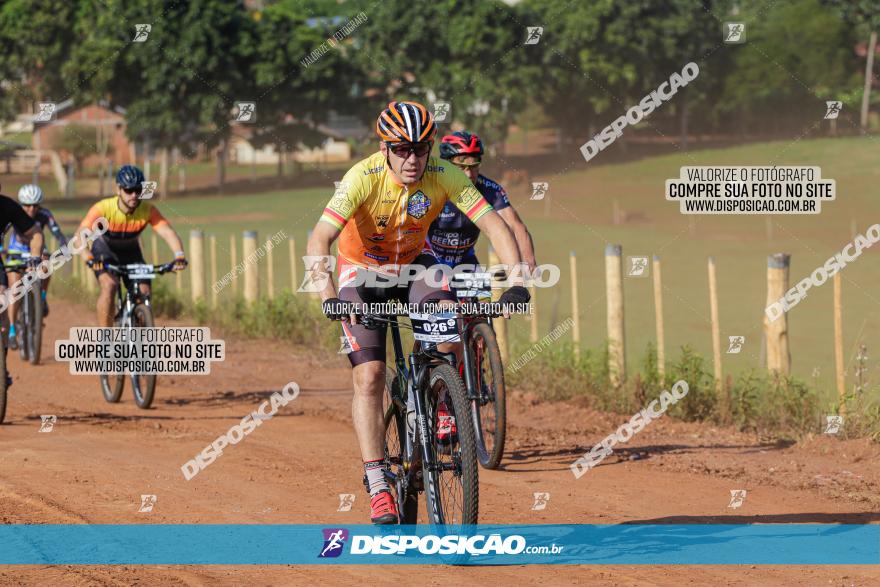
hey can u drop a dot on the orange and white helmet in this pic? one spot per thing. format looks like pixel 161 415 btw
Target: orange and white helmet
pixel 406 122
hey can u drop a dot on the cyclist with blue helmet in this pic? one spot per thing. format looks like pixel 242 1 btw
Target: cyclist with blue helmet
pixel 127 216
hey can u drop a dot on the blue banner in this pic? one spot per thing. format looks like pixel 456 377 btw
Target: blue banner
pixel 259 544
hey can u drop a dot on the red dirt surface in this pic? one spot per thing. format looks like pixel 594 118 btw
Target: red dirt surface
pixel 100 457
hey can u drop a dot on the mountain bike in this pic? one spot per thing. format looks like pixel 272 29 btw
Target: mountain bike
pixel 133 310
pixel 417 460
pixel 483 372
pixel 29 319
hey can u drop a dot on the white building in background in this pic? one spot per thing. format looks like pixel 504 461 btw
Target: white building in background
pixel 337 130
pixel 242 152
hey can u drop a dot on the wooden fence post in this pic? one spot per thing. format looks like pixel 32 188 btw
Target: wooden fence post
pixel 501 324
pixel 197 264
pixel 614 298
pixel 213 270
pixel 716 328
pixel 658 314
pixel 294 285
pixel 270 269
pixel 249 251
pixel 575 307
pixel 776 332
pixel 838 343
pixel 233 258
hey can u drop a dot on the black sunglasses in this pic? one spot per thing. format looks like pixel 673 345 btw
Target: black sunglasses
pixel 136 190
pixel 403 150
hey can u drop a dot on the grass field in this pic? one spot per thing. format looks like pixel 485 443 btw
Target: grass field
pixel 580 220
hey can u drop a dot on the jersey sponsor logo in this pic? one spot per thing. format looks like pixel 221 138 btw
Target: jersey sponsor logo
pixel 490 184
pixel 382 221
pixel 374 170
pixel 376 236
pixel 468 197
pixel 388 198
pixel 435 168
pixel 341 205
pixel 418 205
pixel 414 229
pixel 452 239
pixel 382 258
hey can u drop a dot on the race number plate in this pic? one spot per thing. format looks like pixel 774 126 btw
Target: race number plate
pixel 140 271
pixel 439 327
pixel 472 285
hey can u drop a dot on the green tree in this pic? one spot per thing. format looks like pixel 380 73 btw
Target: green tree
pixel 35 37
pixel 295 91
pixel 596 60
pixel 865 15
pixel 180 85
pixel 782 72
pixel 463 52
pixel 78 141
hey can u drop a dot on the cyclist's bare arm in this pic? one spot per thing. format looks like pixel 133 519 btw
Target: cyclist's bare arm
pixel 169 235
pixel 521 234
pixel 36 241
pixel 322 237
pixel 79 237
pixel 504 242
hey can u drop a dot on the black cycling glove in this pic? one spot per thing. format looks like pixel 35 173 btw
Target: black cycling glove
pixel 335 309
pixel 515 295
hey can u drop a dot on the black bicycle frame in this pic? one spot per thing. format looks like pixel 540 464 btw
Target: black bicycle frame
pixel 414 378
pixel 129 300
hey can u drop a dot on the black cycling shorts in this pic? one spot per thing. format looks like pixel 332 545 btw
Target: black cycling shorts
pixel 369 344
pixel 117 252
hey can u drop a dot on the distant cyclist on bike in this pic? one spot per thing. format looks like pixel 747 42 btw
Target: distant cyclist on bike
pixel 30 196
pixel 12 213
pixel 452 236
pixel 127 216
pixel 382 211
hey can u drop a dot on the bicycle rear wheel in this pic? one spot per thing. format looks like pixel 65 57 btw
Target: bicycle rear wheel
pixel 407 498
pixel 112 386
pixel 34 334
pixel 143 386
pixel 21 328
pixel 490 408
pixel 3 386
pixel 452 489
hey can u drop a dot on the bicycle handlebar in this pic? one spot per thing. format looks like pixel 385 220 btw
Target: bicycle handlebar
pixel 126 269
pixel 367 317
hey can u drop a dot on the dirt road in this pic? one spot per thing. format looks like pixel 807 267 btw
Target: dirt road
pixel 100 458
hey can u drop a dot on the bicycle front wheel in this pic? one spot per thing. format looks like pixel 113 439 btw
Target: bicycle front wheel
pixel 452 485
pixel 406 497
pixel 489 408
pixel 34 333
pixel 143 386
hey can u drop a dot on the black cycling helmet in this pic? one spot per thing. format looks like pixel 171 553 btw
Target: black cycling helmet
pixel 130 177
pixel 406 122
pixel 461 143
